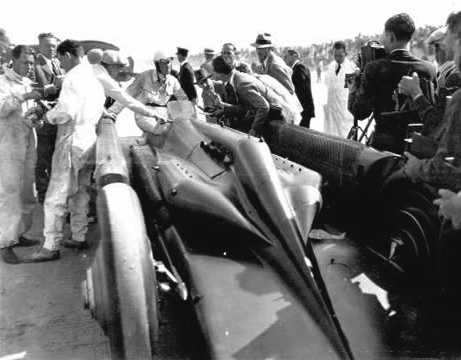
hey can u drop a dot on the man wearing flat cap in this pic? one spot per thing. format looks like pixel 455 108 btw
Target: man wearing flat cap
pixel 186 74
pixel 448 81
pixel 207 66
pixel 273 64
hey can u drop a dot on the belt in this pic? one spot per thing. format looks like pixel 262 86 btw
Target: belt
pixel 155 105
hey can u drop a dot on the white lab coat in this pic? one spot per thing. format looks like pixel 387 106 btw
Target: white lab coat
pixel 17 159
pixel 338 120
pixel 79 108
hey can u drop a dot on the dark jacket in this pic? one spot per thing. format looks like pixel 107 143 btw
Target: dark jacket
pixel 375 94
pixel 381 77
pixel 302 81
pixel 45 77
pixel 437 170
pixel 186 79
pixel 432 114
pixel 44 74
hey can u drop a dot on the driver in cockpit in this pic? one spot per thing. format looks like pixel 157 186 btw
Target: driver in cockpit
pixel 155 88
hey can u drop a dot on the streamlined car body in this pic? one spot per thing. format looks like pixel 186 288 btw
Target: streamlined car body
pixel 210 216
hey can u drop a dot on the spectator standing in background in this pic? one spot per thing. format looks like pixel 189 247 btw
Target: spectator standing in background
pixel 338 120
pixel 302 82
pixel 186 75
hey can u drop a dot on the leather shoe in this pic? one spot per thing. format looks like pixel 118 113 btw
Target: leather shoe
pixel 26 242
pixel 42 255
pixel 73 244
pixel 9 256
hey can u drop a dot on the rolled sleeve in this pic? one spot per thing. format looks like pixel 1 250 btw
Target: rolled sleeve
pixel 430 115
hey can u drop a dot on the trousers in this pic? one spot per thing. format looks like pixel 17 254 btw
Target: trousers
pixel 46 138
pixel 61 199
pixel 17 200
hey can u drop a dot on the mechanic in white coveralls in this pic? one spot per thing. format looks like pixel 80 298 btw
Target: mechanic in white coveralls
pixel 79 108
pixel 17 153
pixel 154 87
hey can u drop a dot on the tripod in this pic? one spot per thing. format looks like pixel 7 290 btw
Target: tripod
pixel 356 133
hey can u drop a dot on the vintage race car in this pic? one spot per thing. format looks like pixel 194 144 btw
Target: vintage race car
pixel 210 217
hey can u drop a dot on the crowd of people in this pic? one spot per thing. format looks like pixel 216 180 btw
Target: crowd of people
pixel 51 101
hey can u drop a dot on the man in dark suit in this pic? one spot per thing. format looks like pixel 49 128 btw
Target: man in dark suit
pixel 186 75
pixel 248 100
pixel 48 76
pixel 302 81
pixel 376 90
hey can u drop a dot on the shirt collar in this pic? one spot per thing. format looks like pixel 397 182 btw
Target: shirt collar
pixel 157 77
pixel 14 76
pixel 182 63
pixel 393 51
pixel 265 62
pixel 296 62
pixel 47 59
pixel 231 79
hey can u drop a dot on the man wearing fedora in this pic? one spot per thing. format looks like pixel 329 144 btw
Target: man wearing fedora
pixel 186 74
pixel 210 98
pixel 273 64
pixel 206 66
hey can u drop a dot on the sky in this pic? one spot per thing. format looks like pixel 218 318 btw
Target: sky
pixel 142 27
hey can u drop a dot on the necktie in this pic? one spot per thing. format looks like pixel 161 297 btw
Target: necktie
pixel 55 68
pixel 231 96
pixel 338 69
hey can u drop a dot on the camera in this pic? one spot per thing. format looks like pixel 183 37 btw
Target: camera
pixel 349 79
pixel 372 50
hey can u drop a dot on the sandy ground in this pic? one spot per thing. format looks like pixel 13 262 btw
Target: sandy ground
pixel 41 311
pixel 42 315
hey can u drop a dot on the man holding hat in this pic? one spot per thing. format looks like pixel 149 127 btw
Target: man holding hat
pixel 186 74
pixel 207 66
pixel 443 55
pixel 273 64
pixel 210 98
